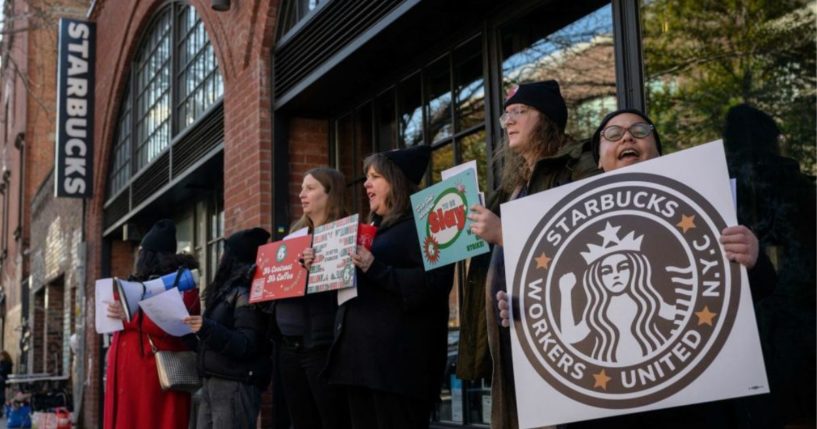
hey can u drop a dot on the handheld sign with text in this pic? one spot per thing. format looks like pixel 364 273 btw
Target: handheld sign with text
pixel 441 218
pixel 278 273
pixel 334 243
pixel 624 299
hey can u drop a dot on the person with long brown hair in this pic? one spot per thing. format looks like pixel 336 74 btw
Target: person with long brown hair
pixel 305 324
pixel 390 347
pixel 535 155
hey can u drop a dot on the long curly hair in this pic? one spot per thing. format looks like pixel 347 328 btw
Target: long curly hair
pixel 515 171
pixel 646 297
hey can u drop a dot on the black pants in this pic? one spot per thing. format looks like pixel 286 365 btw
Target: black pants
pixel 312 403
pixel 371 409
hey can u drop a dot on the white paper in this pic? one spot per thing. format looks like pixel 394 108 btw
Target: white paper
pixel 104 296
pixel 346 294
pixel 457 169
pixel 736 370
pixel 167 310
pixel 733 185
pixel 299 233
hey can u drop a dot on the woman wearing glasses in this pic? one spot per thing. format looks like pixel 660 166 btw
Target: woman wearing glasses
pixel 535 156
pixel 626 137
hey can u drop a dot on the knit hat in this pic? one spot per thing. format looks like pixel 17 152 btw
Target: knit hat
pixel 413 161
pixel 161 237
pixel 244 244
pixel 596 140
pixel 543 96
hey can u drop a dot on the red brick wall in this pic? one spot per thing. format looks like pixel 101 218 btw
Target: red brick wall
pixel 242 39
pixel 308 148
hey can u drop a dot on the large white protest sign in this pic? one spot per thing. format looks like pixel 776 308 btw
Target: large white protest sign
pixel 626 301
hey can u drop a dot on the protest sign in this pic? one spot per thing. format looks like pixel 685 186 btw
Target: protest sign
pixel 278 273
pixel 102 297
pixel 623 298
pixel 334 243
pixel 441 218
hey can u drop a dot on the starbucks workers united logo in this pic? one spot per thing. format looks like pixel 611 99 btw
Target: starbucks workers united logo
pixel 625 293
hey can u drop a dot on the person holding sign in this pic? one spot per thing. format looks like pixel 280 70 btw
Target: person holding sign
pixel 391 340
pixel 626 137
pixel 536 156
pixel 233 349
pixel 133 396
pixel 305 325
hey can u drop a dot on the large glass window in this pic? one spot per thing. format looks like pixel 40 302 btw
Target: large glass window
pixel 174 45
pixel 744 71
pixel 573 44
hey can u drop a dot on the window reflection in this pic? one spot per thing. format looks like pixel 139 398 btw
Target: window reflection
pixel 573 45
pixel 469 85
pixel 411 111
pixel 153 87
pixel 747 75
pixel 439 100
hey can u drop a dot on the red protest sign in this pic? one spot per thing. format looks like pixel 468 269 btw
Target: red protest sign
pixel 278 272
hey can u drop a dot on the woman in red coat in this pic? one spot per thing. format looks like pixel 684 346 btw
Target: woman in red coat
pixel 133 397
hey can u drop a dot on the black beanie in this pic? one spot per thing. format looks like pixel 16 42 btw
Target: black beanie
pixel 243 245
pixel 161 237
pixel 412 161
pixel 596 141
pixel 543 96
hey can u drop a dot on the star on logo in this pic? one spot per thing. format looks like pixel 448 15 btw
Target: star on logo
pixel 601 380
pixel 610 234
pixel 705 316
pixel 686 223
pixel 542 261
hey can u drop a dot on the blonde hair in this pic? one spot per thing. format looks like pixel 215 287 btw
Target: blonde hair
pixel 334 184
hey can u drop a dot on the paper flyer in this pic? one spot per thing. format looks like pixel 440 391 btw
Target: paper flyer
pixel 333 243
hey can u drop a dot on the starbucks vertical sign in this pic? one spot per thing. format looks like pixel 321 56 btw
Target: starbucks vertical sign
pixel 625 299
pixel 73 166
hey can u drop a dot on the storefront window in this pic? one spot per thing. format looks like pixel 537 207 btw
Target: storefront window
pixel 573 44
pixel 152 71
pixel 199 80
pixel 174 79
pixel 745 73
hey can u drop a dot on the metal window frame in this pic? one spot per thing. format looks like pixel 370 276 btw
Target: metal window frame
pixel 136 158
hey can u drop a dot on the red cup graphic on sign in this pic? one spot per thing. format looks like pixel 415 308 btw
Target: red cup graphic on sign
pixel 365 235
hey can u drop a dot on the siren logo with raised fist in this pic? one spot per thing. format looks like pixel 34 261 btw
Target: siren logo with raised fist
pixel 624 292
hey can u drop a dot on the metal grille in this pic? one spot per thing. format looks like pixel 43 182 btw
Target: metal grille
pixel 199 141
pixel 151 180
pixel 333 27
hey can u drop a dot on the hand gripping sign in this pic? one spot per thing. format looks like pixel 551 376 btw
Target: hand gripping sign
pixel 624 298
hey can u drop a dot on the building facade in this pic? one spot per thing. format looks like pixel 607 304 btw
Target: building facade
pixel 212 117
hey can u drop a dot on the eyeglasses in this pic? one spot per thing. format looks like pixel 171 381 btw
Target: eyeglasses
pixel 511 114
pixel 638 130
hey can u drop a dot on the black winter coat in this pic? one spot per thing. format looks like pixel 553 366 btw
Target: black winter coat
pixel 233 341
pixel 393 336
